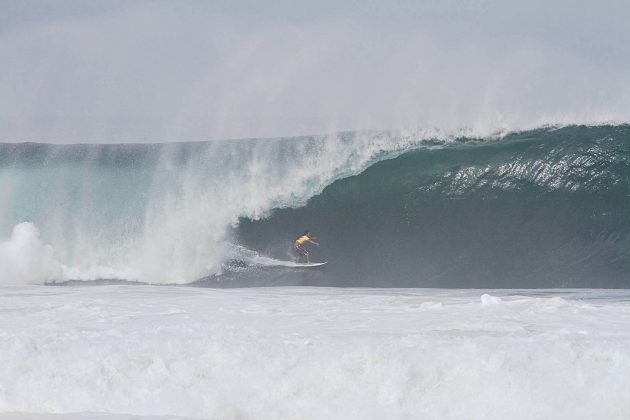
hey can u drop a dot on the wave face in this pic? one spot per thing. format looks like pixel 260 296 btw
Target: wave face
pixel 543 208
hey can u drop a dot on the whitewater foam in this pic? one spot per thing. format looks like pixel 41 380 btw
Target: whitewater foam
pixel 314 352
pixel 24 258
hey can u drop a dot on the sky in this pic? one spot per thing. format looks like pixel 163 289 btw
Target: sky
pixel 112 71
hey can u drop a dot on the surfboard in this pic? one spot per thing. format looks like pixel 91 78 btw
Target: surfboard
pixel 293 264
pixel 311 264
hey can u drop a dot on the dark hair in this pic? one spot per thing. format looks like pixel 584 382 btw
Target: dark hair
pixel 306 232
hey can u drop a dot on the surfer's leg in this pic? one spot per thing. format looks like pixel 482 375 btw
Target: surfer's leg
pixel 299 250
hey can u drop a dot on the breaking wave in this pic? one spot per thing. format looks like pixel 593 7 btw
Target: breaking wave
pixel 541 208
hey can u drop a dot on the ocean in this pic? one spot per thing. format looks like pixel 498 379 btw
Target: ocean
pixel 482 277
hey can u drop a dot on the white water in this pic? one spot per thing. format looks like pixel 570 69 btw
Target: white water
pixel 24 258
pixel 313 353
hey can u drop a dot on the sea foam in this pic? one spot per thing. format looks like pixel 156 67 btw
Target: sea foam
pixel 314 353
pixel 24 258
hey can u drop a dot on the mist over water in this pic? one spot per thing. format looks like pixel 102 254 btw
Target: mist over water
pixel 158 71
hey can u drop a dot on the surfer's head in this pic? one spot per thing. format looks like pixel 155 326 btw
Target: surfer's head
pixel 307 233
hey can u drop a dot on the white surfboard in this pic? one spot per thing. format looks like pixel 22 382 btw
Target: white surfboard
pixel 310 264
pixel 293 264
pixel 272 262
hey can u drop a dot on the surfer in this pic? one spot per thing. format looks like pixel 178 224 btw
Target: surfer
pixel 300 250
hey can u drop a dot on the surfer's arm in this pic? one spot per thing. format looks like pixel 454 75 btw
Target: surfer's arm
pixel 313 242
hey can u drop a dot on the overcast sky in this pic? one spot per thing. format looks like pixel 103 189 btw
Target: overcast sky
pixel 143 71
